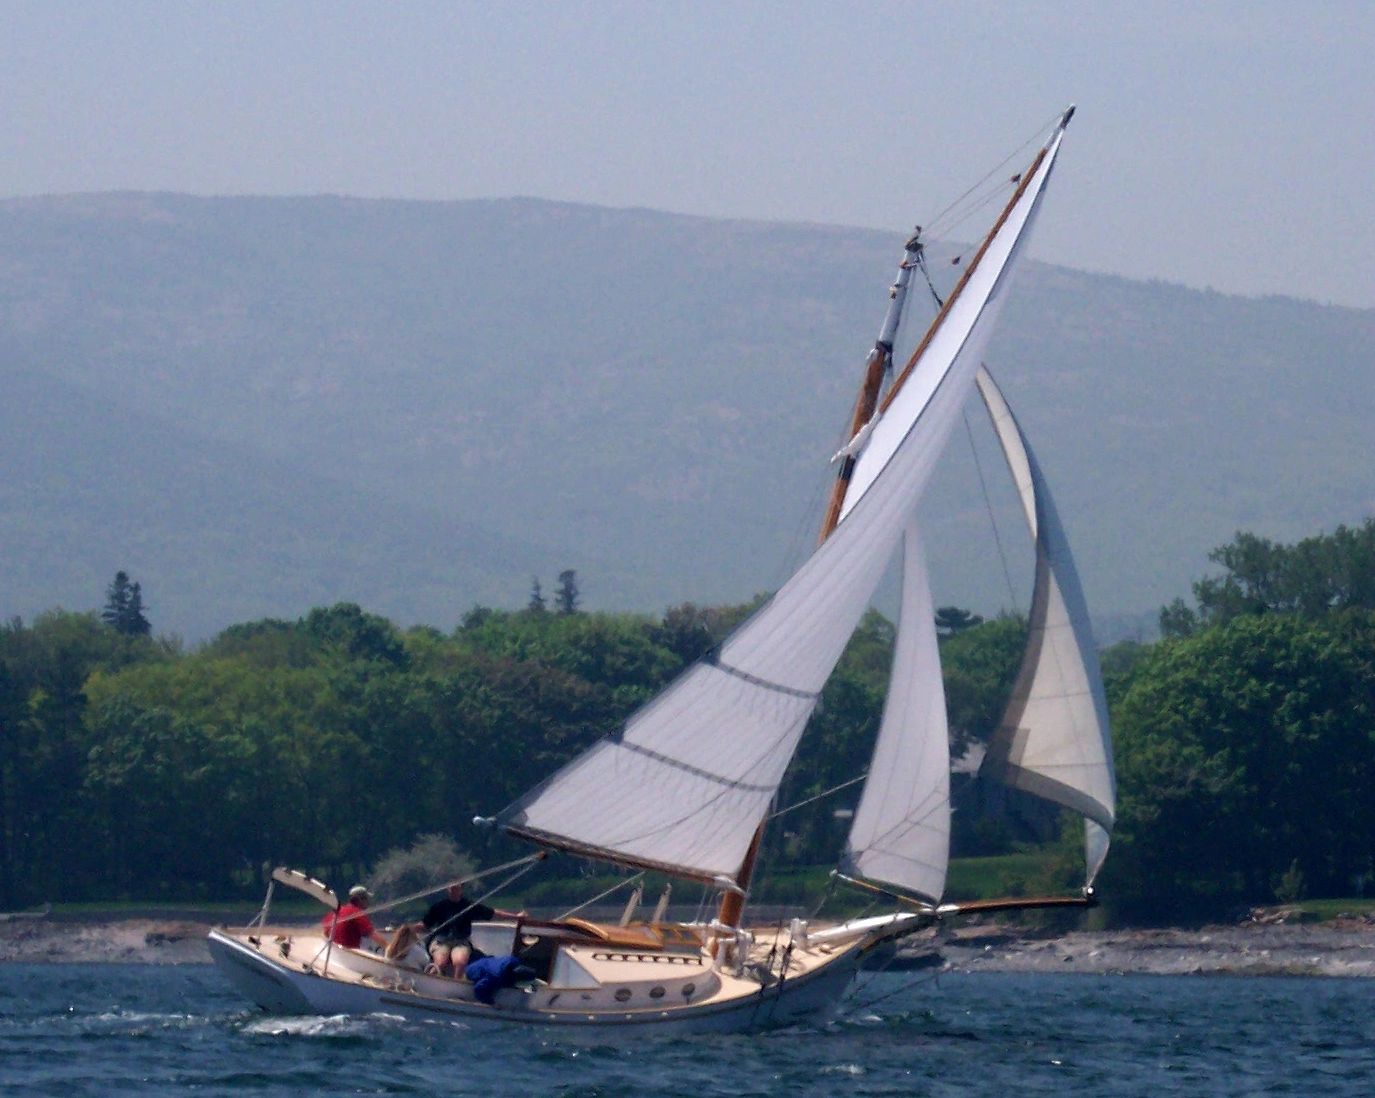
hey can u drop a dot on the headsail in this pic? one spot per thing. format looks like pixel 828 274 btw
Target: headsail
pixel 901 830
pixel 1053 741
pixel 687 782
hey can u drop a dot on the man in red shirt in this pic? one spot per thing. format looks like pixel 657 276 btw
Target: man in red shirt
pixel 350 924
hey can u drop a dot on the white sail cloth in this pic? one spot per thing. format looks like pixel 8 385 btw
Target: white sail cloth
pixel 1053 740
pixel 901 829
pixel 686 784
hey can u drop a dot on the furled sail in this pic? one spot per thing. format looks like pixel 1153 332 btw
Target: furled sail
pixel 1053 740
pixel 684 786
pixel 901 830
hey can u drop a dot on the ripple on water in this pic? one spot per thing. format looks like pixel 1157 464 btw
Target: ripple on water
pixel 71 1031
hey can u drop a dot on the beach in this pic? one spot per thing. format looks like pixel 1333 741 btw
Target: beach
pixel 1343 947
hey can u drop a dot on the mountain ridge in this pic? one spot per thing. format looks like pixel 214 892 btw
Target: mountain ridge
pixel 647 397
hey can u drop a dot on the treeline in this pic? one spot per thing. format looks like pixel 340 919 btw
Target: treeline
pixel 1245 739
pixel 132 769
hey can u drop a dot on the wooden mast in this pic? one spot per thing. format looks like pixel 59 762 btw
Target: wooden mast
pixel 842 482
pixel 876 366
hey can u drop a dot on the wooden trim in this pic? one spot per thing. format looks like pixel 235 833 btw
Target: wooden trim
pixel 865 404
pixel 1017 903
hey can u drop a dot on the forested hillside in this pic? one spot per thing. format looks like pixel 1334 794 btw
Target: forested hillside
pixel 265 405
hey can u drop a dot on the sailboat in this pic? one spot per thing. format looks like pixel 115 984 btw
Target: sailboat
pixel 686 786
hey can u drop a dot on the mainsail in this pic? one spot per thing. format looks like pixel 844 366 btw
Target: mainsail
pixel 687 782
pixel 1053 740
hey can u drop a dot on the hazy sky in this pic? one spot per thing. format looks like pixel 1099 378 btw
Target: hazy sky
pixel 1229 145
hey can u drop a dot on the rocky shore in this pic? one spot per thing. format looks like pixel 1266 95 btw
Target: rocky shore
pixel 1338 948
pixel 1342 947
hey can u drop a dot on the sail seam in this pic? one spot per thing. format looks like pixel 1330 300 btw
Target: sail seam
pixel 754 680
pixel 678 764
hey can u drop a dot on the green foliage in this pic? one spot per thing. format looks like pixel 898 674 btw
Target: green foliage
pixel 979 665
pixel 430 860
pixel 1290 887
pixel 1242 751
pixel 1315 576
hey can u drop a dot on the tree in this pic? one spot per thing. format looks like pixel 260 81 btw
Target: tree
pixel 1243 752
pixel 536 604
pixel 951 620
pixel 347 628
pixel 1311 577
pixel 124 607
pixel 566 600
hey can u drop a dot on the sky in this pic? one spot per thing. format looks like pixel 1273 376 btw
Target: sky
pixel 1221 145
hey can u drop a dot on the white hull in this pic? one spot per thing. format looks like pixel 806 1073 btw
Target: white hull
pixel 362 983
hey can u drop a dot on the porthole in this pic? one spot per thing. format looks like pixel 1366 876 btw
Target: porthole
pixel 688 989
pixel 622 994
pixel 656 993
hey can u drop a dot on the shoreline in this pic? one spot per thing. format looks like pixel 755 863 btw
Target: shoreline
pixel 1338 948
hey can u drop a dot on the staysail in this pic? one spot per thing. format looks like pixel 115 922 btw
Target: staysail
pixel 901 830
pixel 1053 740
pixel 685 784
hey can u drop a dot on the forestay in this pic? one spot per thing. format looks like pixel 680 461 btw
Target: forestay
pixel 1053 740
pixel 689 779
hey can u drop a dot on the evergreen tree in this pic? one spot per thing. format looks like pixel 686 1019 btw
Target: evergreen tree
pixel 536 603
pixel 123 610
pixel 567 598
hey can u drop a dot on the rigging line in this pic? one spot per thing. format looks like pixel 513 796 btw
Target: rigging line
pixel 992 519
pixel 921 266
pixel 914 982
pixel 601 895
pixel 1036 136
pixel 819 796
pixel 949 221
pixel 943 233
pixel 517 875
pixel 530 859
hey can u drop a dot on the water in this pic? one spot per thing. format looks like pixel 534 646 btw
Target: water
pixel 70 1030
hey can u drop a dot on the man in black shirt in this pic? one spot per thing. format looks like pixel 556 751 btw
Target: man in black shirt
pixel 449 925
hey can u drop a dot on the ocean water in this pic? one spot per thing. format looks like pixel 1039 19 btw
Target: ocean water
pixel 69 1030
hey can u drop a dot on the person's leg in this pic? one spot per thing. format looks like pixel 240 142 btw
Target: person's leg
pixel 459 956
pixel 440 957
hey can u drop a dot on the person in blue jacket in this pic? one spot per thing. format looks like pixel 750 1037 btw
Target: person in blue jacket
pixel 490 974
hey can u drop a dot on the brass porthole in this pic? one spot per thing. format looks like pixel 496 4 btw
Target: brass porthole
pixel 656 993
pixel 688 989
